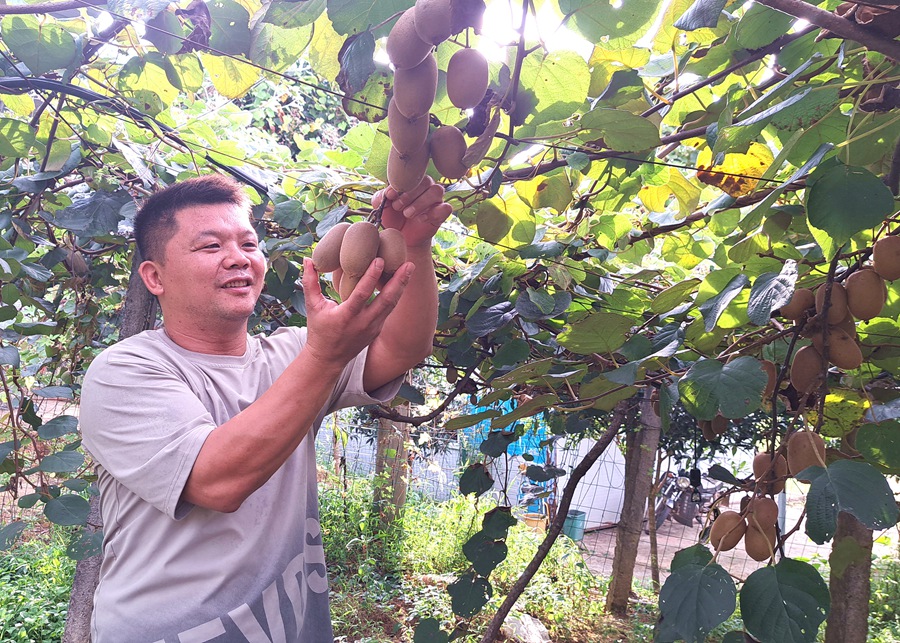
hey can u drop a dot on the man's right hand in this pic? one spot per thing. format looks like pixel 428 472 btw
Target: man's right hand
pixel 336 333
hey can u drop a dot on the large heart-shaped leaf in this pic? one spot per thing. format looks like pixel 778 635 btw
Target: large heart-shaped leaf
pixel 879 444
pixel 597 333
pixel 785 603
pixel 468 594
pixel 733 389
pixel 696 598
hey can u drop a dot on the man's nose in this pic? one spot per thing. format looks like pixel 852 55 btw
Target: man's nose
pixel 236 258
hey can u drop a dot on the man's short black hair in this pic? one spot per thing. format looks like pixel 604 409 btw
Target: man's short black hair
pixel 155 221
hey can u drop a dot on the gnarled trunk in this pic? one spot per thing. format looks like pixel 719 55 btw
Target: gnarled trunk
pixel 849 582
pixel 640 456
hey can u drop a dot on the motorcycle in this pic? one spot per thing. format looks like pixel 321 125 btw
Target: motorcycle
pixel 684 498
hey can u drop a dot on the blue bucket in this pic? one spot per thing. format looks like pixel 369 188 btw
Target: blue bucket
pixel 573 526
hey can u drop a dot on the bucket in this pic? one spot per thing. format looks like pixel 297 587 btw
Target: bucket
pixel 536 521
pixel 573 526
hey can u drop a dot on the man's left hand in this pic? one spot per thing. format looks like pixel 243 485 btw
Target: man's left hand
pixel 418 214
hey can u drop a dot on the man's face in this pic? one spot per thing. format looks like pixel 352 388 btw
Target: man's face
pixel 212 269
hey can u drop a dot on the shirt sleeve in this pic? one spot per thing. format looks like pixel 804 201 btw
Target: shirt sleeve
pixel 142 423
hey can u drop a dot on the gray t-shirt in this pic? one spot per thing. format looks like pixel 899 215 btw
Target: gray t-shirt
pixel 178 573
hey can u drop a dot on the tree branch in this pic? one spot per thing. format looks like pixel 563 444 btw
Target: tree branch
pixel 837 25
pixel 46 7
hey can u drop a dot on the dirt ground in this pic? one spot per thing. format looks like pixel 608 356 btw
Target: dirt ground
pixel 599 545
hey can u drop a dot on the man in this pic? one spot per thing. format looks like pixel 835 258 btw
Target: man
pixel 204 436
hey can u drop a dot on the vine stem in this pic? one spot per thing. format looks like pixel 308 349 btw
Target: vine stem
pixel 555 527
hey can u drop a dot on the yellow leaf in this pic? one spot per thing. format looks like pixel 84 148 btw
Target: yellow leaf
pixel 844 411
pixel 738 173
pixel 654 197
pixel 18 104
pixel 231 77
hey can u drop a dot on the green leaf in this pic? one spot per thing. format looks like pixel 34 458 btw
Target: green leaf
pixel 619 130
pixel 41 44
pixel 9 533
pixel 16 138
pixel 785 603
pixel 356 62
pixel 733 389
pixel 693 555
pixel 277 48
pixel 475 480
pixel 879 444
pixel 484 552
pixel 536 305
pixel 429 631
pixel 543 473
pixel 349 17
pixel 85 543
pixel 529 408
pixel 497 521
pixel 720 473
pixel 513 351
pixel 846 485
pixel 597 333
pixel 760 26
pixel 166 33
pixel 290 15
pixel 771 291
pixel 489 320
pixel 497 442
pixel 67 510
pixel 469 594
pixel 230 76
pixel 229 28
pixel 97 215
pixel 137 9
pixel 844 200
pixel 559 80
pixel 61 462
pixel 703 13
pixel 9 355
pixel 712 308
pixel 673 296
pixel 466 421
pixel 617 26
pixel 695 599
pixel 370 103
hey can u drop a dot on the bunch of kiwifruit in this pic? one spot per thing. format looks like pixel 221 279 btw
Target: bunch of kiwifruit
pixel 755 522
pixel 860 297
pixel 348 249
pixel 409 47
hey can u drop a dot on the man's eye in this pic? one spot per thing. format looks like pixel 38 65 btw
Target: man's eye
pixel 211 246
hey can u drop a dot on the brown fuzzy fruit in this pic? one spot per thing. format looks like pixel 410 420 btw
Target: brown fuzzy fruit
pixel 406 134
pixel 707 431
pixel 433 20
pixel 805 449
pixel 843 351
pixel 771 372
pixel 719 424
pixel 467 78
pixel 447 149
pixel 391 248
pixel 326 256
pixel 358 250
pixel 414 88
pixel 404 46
pixel 759 545
pixel 727 530
pixel 807 369
pixel 770 474
pixel 347 286
pixel 406 171
pixel 886 257
pixel 866 294
pixel 801 301
pixel 837 308
pixel 762 512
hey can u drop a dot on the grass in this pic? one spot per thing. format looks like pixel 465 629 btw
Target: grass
pixel 384 581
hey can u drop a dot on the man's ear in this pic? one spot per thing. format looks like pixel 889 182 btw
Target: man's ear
pixel 151 275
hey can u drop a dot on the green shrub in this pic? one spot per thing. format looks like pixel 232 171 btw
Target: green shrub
pixel 35 579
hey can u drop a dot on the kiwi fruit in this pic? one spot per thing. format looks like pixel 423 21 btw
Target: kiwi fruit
pixel 886 257
pixel 348 285
pixel 414 88
pixel 358 249
pixel 807 369
pixel 769 473
pixel 719 424
pixel 707 430
pixel 326 256
pixel 771 372
pixel 404 46
pixel 727 530
pixel 759 545
pixel 805 449
pixel 447 149
pixel 433 20
pixel 406 134
pixel 837 308
pixel 866 294
pixel 762 512
pixel 467 78
pixel 843 351
pixel 802 300
pixel 406 171
pixel 391 248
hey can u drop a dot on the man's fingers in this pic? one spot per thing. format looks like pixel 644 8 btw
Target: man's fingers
pixel 408 198
pixel 426 200
pixel 312 289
